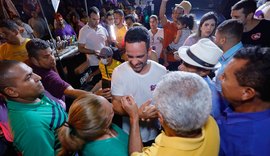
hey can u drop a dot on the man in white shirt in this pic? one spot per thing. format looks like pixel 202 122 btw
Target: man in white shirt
pixel 92 38
pixel 138 77
pixel 156 34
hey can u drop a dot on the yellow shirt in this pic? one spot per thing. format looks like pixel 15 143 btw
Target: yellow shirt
pixel 206 145
pixel 120 34
pixel 14 52
pixel 108 75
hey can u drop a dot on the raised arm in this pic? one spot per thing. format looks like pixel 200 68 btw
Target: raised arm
pixel 162 11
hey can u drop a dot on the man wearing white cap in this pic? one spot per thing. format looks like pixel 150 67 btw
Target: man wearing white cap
pixel 201 58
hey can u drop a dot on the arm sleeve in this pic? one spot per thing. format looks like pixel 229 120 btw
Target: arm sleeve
pixel 55 85
pixel 117 87
pixel 82 36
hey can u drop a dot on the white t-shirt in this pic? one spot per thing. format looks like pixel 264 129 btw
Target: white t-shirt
pixel 94 40
pixel 155 40
pixel 125 81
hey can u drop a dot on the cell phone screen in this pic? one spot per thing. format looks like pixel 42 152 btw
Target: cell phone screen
pixel 106 84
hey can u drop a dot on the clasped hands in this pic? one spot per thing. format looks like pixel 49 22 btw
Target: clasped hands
pixel 145 112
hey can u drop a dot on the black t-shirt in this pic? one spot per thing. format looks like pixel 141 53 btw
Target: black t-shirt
pixel 260 35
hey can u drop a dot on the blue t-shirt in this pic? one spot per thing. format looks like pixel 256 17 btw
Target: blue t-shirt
pixel 244 134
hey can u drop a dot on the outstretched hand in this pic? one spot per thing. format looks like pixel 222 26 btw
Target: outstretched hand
pixel 130 106
pixel 148 111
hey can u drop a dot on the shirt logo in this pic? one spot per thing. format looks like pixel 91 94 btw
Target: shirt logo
pixel 152 87
pixel 256 36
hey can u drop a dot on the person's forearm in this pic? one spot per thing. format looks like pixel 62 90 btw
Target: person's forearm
pixel 177 37
pixel 135 141
pixel 162 9
pixel 86 51
pixel 117 107
pixel 164 55
pixel 75 93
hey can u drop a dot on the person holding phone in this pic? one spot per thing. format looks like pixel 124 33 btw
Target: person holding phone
pixel 106 66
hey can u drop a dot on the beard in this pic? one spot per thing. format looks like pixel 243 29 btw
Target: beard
pixel 136 68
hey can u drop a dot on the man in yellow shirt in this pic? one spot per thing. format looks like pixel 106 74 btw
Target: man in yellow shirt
pixel 119 28
pixel 183 103
pixel 106 66
pixel 14 47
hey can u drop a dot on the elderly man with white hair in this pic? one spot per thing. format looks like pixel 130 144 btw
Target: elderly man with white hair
pixel 183 101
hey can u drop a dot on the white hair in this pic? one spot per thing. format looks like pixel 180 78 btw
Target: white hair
pixel 184 101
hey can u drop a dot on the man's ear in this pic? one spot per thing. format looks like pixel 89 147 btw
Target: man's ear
pixel 16 32
pixel 250 16
pixel 223 40
pixel 248 93
pixel 34 61
pixel 21 29
pixel 204 72
pixel 11 92
pixel 149 51
pixel 160 118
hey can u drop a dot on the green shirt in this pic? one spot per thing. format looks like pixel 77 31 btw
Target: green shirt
pixel 113 146
pixel 34 126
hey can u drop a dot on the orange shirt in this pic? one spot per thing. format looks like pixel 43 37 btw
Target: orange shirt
pixel 170 30
pixel 14 52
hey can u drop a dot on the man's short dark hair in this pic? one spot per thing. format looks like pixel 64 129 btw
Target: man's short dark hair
pixel 109 13
pixel 131 17
pixel 119 12
pixel 9 24
pixel 5 66
pixel 33 46
pixel 231 28
pixel 248 6
pixel 138 34
pixel 256 72
pixel 93 10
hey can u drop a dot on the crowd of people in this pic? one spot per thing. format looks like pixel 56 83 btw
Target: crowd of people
pixel 158 87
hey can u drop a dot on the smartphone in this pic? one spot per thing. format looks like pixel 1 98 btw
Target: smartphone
pixel 106 84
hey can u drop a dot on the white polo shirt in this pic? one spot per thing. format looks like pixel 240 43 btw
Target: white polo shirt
pixel 94 40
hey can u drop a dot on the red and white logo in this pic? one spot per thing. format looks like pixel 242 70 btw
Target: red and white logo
pixel 256 36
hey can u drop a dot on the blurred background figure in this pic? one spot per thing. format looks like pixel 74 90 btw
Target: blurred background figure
pixel 26 30
pixel 130 20
pixel 156 35
pixel 62 28
pixel 38 25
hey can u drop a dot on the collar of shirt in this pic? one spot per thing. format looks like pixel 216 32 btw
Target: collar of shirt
pixel 235 117
pixel 98 26
pixel 179 142
pixel 14 105
pixel 229 53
